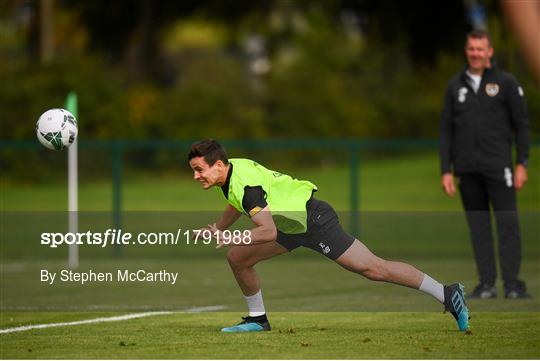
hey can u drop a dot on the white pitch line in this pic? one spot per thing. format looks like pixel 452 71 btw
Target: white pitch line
pixel 205 309
pixel 109 319
pixel 83 322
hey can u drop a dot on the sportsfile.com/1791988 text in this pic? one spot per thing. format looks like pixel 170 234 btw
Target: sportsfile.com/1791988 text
pixel 119 237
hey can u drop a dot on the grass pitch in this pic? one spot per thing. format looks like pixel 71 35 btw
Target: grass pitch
pixel 358 335
pixel 500 329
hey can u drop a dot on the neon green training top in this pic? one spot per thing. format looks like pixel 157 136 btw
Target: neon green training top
pixel 286 196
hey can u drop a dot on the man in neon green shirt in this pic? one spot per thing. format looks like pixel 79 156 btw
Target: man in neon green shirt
pixel 287 216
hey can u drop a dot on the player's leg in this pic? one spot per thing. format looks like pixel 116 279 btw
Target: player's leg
pixel 242 260
pixel 359 259
pixel 329 238
pixel 475 201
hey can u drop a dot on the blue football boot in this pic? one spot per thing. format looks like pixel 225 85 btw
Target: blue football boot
pixel 250 324
pixel 454 302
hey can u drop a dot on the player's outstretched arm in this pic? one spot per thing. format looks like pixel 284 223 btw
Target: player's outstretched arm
pixel 265 231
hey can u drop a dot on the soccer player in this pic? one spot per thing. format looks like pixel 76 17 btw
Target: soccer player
pixel 286 216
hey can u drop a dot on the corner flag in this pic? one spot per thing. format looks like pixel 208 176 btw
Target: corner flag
pixel 73 185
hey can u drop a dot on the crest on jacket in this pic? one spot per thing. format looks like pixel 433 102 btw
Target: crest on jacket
pixel 492 89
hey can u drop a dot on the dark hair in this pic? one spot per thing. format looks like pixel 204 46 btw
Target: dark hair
pixel 479 34
pixel 210 149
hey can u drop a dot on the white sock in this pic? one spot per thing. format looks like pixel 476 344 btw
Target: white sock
pixel 433 288
pixel 255 305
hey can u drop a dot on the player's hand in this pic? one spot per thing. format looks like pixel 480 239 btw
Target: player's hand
pixel 221 238
pixel 447 182
pixel 199 232
pixel 520 176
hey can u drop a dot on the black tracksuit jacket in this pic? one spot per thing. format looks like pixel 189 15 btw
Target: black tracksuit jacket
pixel 477 130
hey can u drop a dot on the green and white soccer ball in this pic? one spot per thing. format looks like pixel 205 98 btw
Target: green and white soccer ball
pixel 56 129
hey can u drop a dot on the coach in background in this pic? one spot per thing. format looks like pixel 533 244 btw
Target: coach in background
pixel 484 109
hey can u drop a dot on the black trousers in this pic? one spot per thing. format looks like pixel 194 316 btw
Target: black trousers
pixel 479 191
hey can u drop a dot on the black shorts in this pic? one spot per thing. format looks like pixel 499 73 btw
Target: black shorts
pixel 324 233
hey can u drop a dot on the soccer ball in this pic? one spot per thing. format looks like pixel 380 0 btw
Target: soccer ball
pixel 56 129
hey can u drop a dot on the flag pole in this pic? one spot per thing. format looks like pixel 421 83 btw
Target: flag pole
pixel 73 185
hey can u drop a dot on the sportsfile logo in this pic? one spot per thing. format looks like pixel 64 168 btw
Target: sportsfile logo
pixel 109 237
